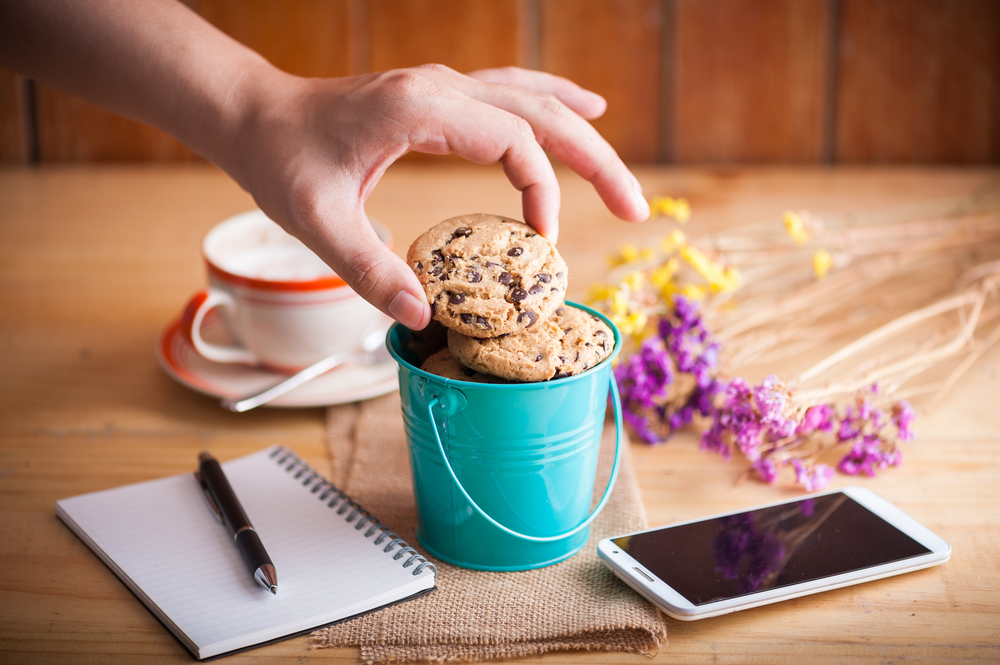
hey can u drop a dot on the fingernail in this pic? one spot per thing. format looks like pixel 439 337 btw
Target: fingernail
pixel 408 310
pixel 639 198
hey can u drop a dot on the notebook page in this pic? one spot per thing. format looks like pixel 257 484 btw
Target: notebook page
pixel 163 537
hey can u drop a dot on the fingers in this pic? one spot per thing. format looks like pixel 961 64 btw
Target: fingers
pixel 587 104
pixel 486 134
pixel 567 136
pixel 352 248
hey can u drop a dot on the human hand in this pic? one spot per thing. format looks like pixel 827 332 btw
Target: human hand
pixel 311 151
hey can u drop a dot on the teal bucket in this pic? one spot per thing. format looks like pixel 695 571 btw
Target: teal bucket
pixel 503 474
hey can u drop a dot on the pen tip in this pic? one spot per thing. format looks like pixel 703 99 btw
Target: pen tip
pixel 274 589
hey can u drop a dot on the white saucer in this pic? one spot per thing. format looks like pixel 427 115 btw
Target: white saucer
pixel 347 383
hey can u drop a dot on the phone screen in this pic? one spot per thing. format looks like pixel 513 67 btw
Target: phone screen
pixel 768 548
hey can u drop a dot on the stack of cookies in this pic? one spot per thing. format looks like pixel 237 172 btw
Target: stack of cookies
pixel 497 290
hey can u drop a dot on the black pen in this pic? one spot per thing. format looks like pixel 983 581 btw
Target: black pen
pixel 227 508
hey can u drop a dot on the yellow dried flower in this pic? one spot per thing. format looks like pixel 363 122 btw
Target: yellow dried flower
pixel 822 262
pixel 719 278
pixel 619 303
pixel 662 275
pixel 796 228
pixel 689 291
pixel 678 208
pixel 600 292
pixel 633 324
pixel 634 280
pixel 673 242
pixel 693 292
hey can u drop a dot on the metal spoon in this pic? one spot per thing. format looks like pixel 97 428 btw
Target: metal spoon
pixel 371 351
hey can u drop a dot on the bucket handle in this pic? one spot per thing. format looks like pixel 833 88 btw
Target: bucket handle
pixel 616 402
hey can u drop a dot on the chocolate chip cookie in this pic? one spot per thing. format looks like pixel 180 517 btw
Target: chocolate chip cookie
pixel 428 341
pixel 568 342
pixel 444 364
pixel 487 275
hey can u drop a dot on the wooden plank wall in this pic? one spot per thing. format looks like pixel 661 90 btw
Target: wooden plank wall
pixel 687 81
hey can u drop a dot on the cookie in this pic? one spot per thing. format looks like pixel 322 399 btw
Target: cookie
pixel 444 364
pixel 487 276
pixel 568 343
pixel 428 341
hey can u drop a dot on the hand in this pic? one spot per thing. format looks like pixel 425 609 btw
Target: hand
pixel 311 151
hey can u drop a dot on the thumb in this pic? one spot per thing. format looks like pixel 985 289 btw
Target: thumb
pixel 356 253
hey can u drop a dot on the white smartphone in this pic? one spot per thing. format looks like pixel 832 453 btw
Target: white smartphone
pixel 726 563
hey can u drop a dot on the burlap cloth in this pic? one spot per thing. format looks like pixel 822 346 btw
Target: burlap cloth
pixel 475 615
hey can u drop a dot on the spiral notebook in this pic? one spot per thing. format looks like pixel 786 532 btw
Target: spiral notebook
pixel 334 560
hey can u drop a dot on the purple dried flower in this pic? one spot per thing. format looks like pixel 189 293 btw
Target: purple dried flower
pixel 656 403
pixel 812 476
pixel 902 418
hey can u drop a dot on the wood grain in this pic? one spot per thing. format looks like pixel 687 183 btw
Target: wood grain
pixel 303 37
pixel 462 35
pixel 613 48
pixel 749 80
pixel 72 130
pixel 95 261
pixel 919 81
pixel 14 126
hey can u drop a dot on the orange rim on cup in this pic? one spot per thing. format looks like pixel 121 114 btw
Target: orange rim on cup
pixel 283 308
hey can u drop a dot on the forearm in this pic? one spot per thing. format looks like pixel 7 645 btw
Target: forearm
pixel 154 61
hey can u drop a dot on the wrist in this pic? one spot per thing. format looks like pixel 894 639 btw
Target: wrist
pixel 253 89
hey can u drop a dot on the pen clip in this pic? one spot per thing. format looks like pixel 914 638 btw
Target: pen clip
pixel 208 497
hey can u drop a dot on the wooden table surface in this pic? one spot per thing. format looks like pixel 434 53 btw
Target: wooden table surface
pixel 95 261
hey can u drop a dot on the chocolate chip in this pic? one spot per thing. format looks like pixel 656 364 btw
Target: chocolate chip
pixel 468 372
pixel 562 359
pixel 434 308
pixel 420 266
pixel 604 345
pixel 553 290
pixel 505 277
pixel 466 318
pixel 560 310
pixel 443 277
pixel 586 367
pixel 475 277
pixel 473 258
pixel 481 321
pixel 456 298
pixel 528 316
pixel 539 358
pixel 536 289
pixel 517 295
pixel 436 271
pixel 438 256
pixel 490 264
pixel 577 359
pixel 599 332
pixel 560 275
pixel 566 330
pixel 530 235
pixel 587 344
pixel 544 278
pixel 515 251
pixel 462 231
pixel 561 375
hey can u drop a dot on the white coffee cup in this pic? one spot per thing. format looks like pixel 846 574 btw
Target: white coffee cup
pixel 282 306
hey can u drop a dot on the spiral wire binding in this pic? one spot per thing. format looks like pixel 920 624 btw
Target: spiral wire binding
pixel 335 498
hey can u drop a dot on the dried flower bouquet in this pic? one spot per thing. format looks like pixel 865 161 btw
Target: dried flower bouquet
pixel 904 296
